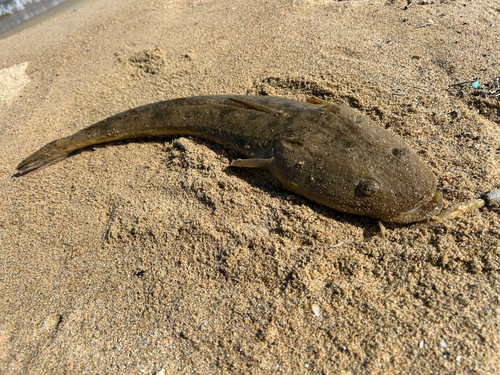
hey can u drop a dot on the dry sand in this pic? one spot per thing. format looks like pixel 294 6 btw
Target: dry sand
pixel 149 257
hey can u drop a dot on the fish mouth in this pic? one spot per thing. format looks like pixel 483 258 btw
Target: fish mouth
pixel 422 211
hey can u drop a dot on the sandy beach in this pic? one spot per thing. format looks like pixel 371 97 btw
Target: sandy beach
pixel 156 257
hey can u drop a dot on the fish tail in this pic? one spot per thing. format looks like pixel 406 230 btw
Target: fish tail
pixel 49 154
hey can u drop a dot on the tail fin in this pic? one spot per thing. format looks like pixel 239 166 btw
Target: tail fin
pixel 49 154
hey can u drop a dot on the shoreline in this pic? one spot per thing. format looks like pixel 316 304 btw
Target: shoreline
pixel 53 12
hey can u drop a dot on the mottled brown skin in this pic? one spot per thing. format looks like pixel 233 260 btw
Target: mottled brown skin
pixel 328 153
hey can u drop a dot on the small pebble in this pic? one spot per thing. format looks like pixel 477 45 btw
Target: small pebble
pixel 316 310
pixel 492 198
pixel 442 345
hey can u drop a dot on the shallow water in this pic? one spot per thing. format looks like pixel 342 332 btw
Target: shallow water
pixel 15 12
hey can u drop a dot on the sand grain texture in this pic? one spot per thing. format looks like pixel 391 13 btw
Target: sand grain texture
pixel 143 256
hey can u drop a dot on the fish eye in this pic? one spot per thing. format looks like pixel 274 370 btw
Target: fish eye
pixel 367 188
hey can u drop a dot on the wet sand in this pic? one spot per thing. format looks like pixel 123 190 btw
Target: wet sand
pixel 156 257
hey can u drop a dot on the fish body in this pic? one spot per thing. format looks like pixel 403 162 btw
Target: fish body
pixel 326 152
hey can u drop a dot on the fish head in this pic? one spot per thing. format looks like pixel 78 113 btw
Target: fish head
pixel 367 171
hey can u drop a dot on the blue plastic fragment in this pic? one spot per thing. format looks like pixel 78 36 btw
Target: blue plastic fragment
pixel 476 85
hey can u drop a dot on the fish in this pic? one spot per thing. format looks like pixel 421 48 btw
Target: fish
pixel 326 152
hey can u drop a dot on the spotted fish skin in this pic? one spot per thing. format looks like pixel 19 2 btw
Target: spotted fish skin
pixel 325 152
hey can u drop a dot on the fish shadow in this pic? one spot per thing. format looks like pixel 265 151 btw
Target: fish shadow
pixel 270 185
pixel 261 179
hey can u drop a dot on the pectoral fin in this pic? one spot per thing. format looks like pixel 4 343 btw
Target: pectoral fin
pixel 252 163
